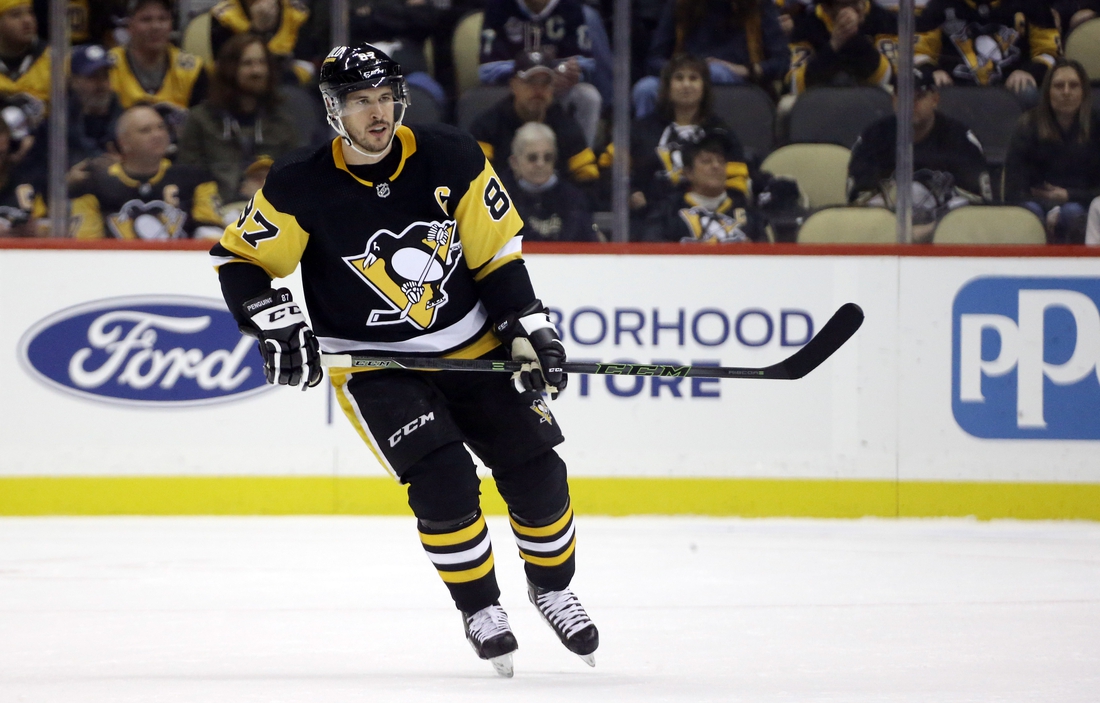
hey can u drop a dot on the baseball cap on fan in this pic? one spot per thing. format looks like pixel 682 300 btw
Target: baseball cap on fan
pixel 88 59
pixel 531 63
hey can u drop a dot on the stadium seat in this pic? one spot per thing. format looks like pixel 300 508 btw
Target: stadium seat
pixel 820 169
pixel 991 113
pixel 466 51
pixel 1083 45
pixel 423 108
pixel 477 100
pixel 750 113
pixel 196 38
pixel 980 224
pixel 837 115
pixel 850 225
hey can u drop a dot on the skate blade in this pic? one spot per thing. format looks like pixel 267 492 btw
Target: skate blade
pixel 503 665
pixel 589 659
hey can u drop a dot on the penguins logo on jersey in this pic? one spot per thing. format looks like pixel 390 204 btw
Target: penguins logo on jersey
pixel 409 270
pixel 541 409
pixel 986 50
pixel 154 219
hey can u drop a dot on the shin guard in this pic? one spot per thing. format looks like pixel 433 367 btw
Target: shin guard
pixel 547 549
pixel 463 556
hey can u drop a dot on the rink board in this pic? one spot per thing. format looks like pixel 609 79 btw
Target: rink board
pixel 972 389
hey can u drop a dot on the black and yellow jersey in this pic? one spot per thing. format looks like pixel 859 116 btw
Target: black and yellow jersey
pixel 230 18
pixel 982 43
pixel 176 202
pixel 415 254
pixel 29 76
pixel 183 84
pixel 869 58
pixel 21 201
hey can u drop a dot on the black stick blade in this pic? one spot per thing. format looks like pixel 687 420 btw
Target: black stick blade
pixel 838 330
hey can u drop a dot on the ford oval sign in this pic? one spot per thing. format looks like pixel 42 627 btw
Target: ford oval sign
pixel 147 350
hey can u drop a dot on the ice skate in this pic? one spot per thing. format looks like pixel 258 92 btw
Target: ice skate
pixel 491 637
pixel 563 612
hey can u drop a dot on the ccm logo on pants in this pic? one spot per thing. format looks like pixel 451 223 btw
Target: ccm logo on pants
pixel 1026 358
pixel 410 428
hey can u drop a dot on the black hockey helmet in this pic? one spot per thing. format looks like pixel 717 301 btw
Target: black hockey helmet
pixel 350 68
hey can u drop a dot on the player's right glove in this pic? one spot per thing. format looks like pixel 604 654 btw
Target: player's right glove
pixel 290 350
pixel 529 336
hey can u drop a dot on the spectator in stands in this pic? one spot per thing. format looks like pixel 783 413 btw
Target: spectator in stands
pixel 1073 13
pixel 243 120
pixel 1092 229
pixel 552 208
pixel 705 209
pixel 24 62
pixel 514 26
pixel 683 117
pixel 276 22
pixel 949 166
pixel 150 69
pixel 532 100
pixel 843 43
pixel 145 196
pixel 90 21
pixel 93 108
pixel 1053 165
pixel 1003 42
pixel 21 199
pixel 400 28
pixel 741 40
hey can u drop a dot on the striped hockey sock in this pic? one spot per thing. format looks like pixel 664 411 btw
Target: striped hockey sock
pixel 547 549
pixel 463 556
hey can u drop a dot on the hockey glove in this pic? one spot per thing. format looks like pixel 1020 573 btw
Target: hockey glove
pixel 290 351
pixel 529 336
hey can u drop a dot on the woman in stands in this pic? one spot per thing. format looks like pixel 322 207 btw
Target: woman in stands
pixel 683 116
pixel 742 41
pixel 1053 166
pixel 244 123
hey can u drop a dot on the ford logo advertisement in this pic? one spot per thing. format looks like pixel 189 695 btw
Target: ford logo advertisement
pixel 145 350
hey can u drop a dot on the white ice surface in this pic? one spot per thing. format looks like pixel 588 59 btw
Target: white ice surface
pixel 220 610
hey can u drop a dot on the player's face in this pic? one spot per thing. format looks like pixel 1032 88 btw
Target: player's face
pixel 535 162
pixel 708 174
pixel 368 117
pixel 18 26
pixel 1066 92
pixel 151 27
pixel 686 88
pixel 252 72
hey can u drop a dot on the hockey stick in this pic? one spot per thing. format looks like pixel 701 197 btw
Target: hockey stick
pixel 838 330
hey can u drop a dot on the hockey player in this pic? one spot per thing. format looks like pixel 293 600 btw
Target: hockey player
pixel 407 244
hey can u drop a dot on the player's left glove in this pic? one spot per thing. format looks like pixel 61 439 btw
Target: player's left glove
pixel 290 350
pixel 530 337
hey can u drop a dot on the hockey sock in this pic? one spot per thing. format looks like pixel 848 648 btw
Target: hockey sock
pixel 547 548
pixel 463 556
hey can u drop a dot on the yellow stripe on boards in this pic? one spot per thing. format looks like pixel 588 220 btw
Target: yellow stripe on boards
pixel 545 531
pixel 271 495
pixel 550 561
pixel 469 574
pixel 450 539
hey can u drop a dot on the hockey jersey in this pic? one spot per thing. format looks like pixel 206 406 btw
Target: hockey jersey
pixel 691 218
pixel 182 86
pixel 867 59
pixel 230 18
pixel 176 202
pixel 395 255
pixel 495 128
pixel 31 78
pixel 982 43
pixel 509 25
pixel 21 202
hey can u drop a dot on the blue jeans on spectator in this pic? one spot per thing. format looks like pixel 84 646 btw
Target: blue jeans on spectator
pixel 1067 226
pixel 645 90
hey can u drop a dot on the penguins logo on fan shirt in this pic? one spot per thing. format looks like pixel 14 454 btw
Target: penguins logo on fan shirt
pixel 985 49
pixel 409 270
pixel 154 219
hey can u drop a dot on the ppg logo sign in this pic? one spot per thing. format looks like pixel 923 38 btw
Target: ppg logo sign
pixel 1026 358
